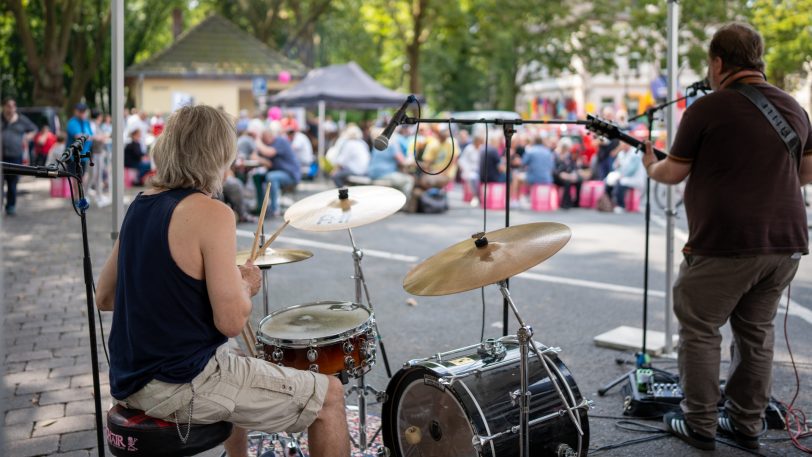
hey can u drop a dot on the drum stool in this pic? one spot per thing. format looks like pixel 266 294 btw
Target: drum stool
pixel 132 433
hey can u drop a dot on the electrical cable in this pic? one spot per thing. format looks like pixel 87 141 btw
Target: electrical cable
pixel 484 228
pixel 795 418
pixel 416 161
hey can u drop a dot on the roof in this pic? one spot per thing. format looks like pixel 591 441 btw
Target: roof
pixel 339 86
pixel 217 48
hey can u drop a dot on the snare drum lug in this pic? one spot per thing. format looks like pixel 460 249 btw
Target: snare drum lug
pixel 312 355
pixel 314 367
pixel 349 363
pixel 348 347
pixel 276 355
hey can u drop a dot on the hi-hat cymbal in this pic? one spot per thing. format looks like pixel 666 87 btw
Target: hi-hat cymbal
pixel 327 211
pixel 508 252
pixel 273 257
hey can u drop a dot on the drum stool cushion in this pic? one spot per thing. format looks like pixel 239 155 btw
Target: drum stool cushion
pixel 132 433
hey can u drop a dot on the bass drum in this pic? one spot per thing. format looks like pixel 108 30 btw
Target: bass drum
pixel 447 405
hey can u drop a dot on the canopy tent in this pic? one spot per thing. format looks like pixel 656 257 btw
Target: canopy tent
pixel 344 86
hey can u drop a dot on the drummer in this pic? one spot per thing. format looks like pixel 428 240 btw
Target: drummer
pixel 177 297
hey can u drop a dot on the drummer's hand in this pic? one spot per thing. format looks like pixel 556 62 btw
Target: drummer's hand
pixel 251 275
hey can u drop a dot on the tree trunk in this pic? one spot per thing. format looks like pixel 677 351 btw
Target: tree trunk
pixel 413 48
pixel 49 84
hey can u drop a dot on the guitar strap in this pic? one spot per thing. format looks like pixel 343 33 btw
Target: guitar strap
pixel 774 117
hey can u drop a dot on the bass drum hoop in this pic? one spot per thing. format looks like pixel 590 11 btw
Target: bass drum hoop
pixel 416 371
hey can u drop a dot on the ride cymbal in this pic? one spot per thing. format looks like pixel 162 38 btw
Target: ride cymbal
pixel 507 252
pixel 339 209
pixel 273 257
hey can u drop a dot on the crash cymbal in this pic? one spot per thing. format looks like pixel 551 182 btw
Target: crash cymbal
pixel 273 257
pixel 508 252
pixel 360 205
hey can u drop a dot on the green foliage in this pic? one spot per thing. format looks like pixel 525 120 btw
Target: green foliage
pixel 787 30
pixel 466 54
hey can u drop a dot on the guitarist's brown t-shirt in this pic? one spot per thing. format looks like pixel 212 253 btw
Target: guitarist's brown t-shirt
pixel 743 194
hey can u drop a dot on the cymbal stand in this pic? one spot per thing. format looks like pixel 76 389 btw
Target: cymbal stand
pixel 526 343
pixel 361 388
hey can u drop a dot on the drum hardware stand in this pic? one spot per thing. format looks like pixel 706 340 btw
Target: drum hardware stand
pixel 361 389
pixel 526 343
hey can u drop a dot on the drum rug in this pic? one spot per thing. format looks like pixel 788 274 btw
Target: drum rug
pixel 285 445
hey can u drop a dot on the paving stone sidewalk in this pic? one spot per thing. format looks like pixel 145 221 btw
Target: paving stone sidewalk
pixel 47 371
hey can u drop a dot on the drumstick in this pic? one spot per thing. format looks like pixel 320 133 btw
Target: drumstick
pixel 250 347
pixel 259 223
pixel 272 238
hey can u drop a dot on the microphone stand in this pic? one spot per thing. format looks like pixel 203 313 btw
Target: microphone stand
pixel 508 127
pixel 642 359
pixel 74 153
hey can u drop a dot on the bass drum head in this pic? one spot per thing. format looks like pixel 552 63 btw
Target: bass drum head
pixel 429 422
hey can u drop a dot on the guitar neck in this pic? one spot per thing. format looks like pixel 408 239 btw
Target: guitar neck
pixel 628 139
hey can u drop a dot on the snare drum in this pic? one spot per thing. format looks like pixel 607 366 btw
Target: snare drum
pixel 461 404
pixel 327 337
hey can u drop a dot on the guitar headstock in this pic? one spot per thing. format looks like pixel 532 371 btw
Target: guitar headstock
pixel 602 127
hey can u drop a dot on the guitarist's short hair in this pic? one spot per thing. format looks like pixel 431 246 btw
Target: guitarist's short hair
pixel 740 47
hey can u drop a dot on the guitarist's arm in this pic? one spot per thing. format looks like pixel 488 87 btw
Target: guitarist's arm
pixel 666 171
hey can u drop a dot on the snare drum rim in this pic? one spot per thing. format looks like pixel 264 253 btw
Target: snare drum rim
pixel 316 342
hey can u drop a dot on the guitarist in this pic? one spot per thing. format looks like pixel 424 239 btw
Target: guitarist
pixel 747 233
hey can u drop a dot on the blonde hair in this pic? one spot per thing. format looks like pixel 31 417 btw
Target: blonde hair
pixel 194 150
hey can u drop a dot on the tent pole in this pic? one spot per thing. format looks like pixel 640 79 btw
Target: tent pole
pixel 671 127
pixel 320 157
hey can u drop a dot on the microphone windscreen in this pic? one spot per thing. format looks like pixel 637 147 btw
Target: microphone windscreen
pixel 381 142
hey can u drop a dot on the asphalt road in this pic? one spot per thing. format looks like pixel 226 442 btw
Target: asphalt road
pixel 592 285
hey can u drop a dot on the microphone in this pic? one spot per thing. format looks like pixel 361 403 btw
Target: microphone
pixel 698 86
pixel 35 171
pixel 382 142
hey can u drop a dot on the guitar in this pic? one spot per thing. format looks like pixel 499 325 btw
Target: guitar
pixel 611 131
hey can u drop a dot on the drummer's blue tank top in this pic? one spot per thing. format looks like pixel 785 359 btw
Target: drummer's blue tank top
pixel 163 324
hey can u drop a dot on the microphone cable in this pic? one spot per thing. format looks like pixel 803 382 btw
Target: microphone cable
pixel 414 152
pixel 795 419
pixel 484 204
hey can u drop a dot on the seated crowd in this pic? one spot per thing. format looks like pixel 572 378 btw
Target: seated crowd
pixel 546 156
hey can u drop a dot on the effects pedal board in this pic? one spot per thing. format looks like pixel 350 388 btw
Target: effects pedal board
pixel 650 394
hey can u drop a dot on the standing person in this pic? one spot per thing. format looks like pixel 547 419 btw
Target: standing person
pixel 43 142
pixel 79 124
pixel 177 296
pixel 747 232
pixel 17 132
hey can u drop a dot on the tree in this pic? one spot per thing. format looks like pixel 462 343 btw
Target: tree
pixel 45 58
pixel 287 25
pixel 788 37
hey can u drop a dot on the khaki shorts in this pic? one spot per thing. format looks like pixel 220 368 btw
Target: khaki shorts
pixel 245 391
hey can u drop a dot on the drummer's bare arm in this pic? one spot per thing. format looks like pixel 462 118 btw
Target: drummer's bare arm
pixel 229 291
pixel 106 288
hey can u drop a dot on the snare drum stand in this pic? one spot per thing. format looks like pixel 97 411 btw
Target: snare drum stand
pixel 526 343
pixel 362 389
